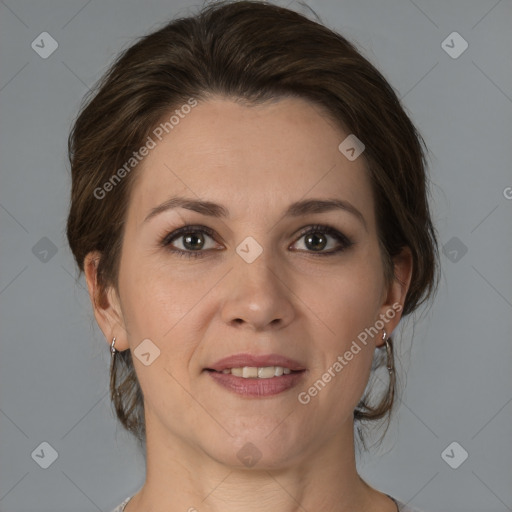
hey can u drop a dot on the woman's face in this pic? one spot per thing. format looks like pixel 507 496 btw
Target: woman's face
pixel 244 281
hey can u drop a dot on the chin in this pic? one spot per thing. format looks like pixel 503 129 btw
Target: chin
pixel 253 456
pixel 263 447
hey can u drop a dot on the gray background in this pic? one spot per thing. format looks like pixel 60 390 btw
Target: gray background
pixel 54 363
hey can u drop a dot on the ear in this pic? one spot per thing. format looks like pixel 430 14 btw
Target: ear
pixel 105 303
pixel 394 295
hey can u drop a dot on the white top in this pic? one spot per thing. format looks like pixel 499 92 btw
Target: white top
pixel 401 507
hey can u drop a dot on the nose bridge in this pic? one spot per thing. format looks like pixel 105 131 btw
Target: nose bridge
pixel 256 267
pixel 255 264
pixel 256 294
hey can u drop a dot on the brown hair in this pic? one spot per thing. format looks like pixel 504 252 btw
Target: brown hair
pixel 251 52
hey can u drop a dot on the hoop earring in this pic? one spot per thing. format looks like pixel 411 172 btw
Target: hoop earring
pixel 113 373
pixel 389 352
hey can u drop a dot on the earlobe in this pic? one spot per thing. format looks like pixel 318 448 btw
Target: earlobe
pixel 397 290
pixel 105 303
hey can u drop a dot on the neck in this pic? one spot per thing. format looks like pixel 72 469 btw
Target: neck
pixel 180 477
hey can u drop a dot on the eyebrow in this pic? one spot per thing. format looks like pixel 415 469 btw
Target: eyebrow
pixel 296 209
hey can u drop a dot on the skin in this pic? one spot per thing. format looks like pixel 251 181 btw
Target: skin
pixel 255 161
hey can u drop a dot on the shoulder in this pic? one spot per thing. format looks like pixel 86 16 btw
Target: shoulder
pixel 402 507
pixel 121 506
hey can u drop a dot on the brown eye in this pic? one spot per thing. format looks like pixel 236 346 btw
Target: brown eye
pixel 316 240
pixel 192 239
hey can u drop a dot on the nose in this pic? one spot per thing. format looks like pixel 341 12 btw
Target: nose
pixel 258 295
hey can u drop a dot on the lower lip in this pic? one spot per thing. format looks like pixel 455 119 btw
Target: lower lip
pixel 257 387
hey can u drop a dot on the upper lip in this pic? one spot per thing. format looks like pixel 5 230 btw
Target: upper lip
pixel 241 360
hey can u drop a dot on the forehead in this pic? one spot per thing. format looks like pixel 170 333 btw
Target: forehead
pixel 255 159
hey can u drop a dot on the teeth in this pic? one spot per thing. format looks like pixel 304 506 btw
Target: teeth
pixel 249 372
pixel 266 373
pixel 252 372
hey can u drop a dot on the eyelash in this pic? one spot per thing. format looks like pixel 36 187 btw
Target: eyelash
pixel 167 239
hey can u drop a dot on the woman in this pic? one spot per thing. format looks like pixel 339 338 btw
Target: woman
pixel 249 207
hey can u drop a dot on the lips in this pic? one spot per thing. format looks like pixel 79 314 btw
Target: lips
pixel 256 361
pixel 254 372
pixel 257 376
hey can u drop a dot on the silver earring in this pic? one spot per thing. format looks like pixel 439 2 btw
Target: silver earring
pixel 112 348
pixel 389 352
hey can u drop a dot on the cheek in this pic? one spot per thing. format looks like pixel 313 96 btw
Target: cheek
pixel 347 302
pixel 165 307
pixel 154 298
pixel 159 309
pixel 347 307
